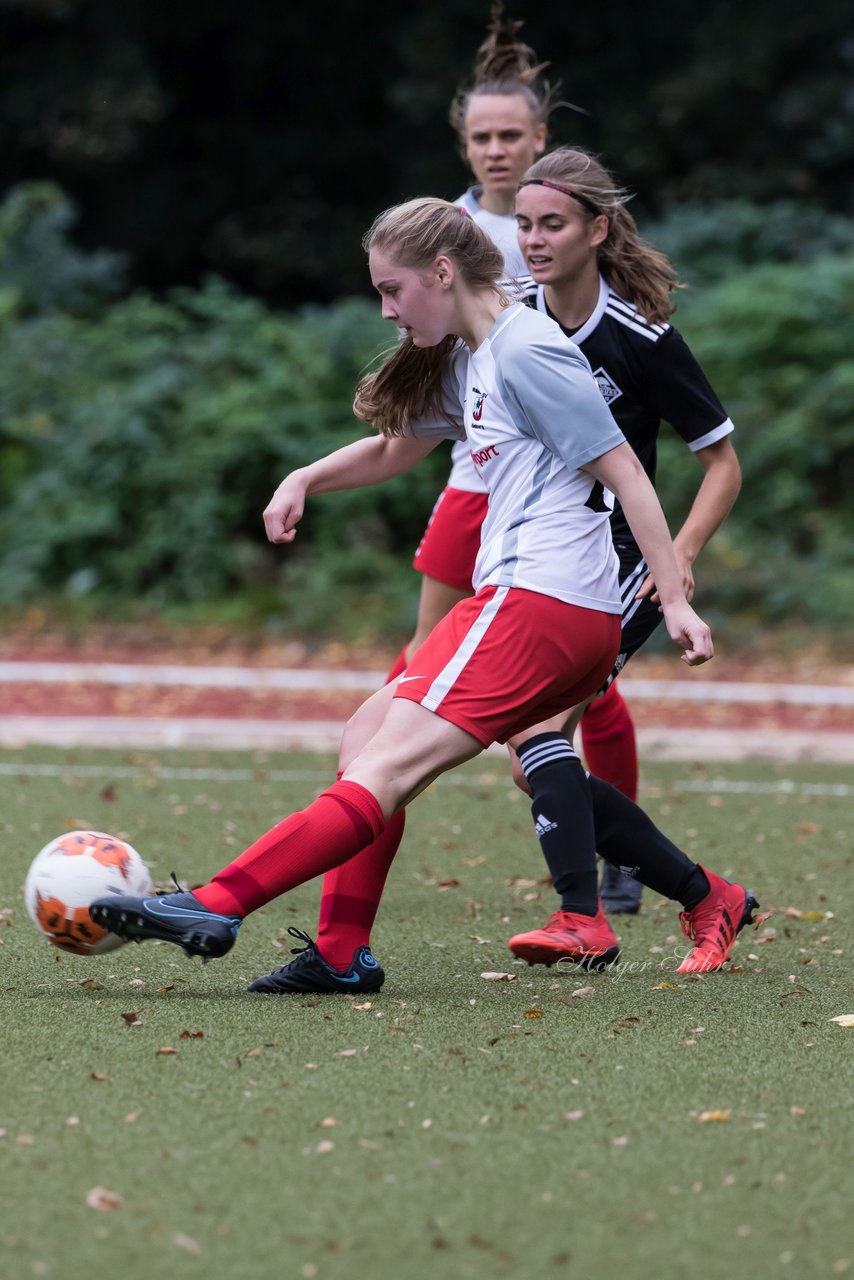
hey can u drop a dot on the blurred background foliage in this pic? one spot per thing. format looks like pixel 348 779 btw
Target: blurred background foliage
pixel 184 307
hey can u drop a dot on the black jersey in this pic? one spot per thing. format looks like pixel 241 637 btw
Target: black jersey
pixel 647 374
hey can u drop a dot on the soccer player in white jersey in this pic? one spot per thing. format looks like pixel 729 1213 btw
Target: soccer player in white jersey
pixel 542 629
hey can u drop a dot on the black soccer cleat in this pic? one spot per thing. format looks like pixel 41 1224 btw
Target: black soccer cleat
pixel 170 917
pixel 309 972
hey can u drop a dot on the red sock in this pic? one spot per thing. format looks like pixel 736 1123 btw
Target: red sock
pixel 341 821
pixel 398 666
pixel 351 896
pixel 608 739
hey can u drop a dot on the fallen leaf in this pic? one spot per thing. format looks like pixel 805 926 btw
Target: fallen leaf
pixel 362 1007
pixel 132 1019
pixel 844 1020
pixel 91 984
pixel 102 1199
pixel 192 1035
pixel 666 986
pixel 583 992
pixel 532 1013
pixel 704 1117
pixel 346 1053
pixel 619 1142
pixel 323 1147
pixel 166 1051
pixel 450 883
pixel 572 1115
pixel 187 1243
pixel 98 1077
pixel 815 915
pixel 493 976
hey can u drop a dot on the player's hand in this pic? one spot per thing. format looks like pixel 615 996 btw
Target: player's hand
pixel 690 632
pixel 285 509
pixel 686 573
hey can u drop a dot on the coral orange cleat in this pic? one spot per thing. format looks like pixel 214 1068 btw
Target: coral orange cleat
pixel 714 924
pixel 588 941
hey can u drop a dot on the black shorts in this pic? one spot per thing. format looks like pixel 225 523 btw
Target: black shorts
pixel 640 617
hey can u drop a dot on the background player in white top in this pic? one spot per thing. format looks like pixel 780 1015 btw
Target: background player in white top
pixel 521 646
pixel 500 117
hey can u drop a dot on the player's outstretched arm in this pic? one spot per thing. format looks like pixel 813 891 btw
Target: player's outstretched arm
pixel 621 472
pixel 364 462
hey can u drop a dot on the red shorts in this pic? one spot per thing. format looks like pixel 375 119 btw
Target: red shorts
pixel 505 659
pixel 451 540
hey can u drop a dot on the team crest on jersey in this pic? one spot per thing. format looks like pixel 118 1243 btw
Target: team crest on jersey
pixel 607 385
pixel 477 411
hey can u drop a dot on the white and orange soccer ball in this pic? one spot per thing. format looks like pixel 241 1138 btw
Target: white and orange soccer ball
pixel 70 873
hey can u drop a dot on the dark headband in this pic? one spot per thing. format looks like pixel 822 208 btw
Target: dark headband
pixel 567 191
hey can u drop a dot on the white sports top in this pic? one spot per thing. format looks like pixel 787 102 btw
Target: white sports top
pixel 501 229
pixel 532 416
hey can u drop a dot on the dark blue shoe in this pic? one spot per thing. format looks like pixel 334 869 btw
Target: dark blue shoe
pixel 169 917
pixel 620 894
pixel 309 972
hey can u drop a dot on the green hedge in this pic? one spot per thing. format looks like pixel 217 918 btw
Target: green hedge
pixel 777 342
pixel 140 440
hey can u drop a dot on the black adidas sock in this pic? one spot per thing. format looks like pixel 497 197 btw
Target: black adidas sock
pixel 627 837
pixel 563 818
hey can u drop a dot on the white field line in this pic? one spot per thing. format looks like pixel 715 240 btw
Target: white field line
pixel 260 774
pixel 321 680
pixel 204 734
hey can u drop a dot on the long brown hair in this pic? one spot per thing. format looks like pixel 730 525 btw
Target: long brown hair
pixel 408 383
pixel 631 265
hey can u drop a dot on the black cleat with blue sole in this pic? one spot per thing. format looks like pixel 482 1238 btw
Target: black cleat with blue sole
pixel 309 972
pixel 169 917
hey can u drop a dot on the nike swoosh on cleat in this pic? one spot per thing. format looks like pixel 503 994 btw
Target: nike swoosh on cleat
pixel 351 977
pixel 165 910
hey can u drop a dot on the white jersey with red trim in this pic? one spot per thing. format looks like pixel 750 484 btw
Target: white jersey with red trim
pixel 533 416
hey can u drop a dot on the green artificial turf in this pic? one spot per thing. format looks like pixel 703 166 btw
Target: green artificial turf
pixel 450 1126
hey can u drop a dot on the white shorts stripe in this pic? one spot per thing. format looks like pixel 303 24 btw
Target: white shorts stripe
pixel 445 679
pixel 630 584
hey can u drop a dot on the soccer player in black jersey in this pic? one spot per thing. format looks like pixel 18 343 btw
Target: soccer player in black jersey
pixel 610 291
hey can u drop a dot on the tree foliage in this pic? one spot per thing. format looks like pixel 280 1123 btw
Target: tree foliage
pixel 244 140
pixel 141 437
